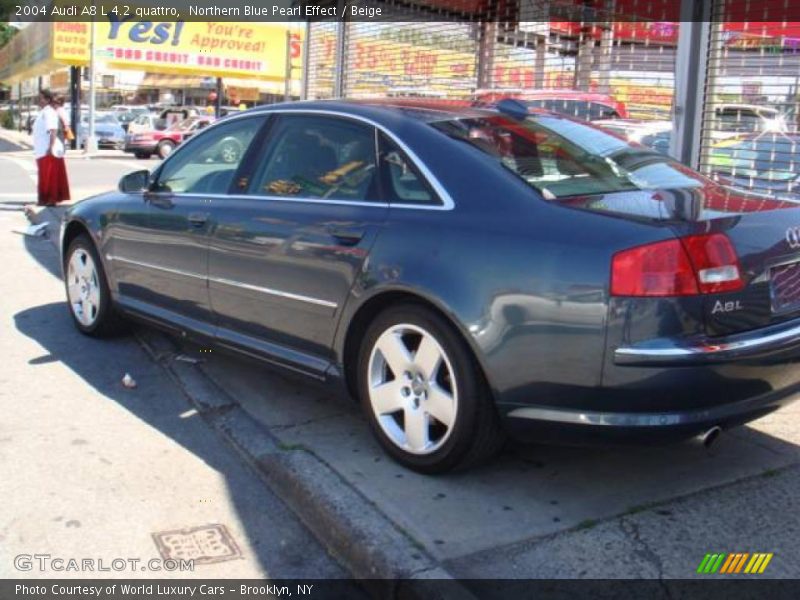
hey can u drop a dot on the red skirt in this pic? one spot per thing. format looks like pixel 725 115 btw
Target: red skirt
pixel 53 185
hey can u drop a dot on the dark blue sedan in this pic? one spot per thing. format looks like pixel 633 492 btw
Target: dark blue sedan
pixel 465 273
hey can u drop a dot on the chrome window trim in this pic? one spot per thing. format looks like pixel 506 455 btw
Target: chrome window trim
pixel 230 282
pixel 444 196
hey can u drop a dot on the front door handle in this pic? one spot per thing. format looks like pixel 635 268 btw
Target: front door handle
pixel 347 236
pixel 198 219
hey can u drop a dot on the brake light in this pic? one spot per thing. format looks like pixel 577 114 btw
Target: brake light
pixel 698 264
pixel 715 262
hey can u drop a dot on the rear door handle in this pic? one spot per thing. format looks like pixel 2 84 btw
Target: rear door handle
pixel 198 219
pixel 347 236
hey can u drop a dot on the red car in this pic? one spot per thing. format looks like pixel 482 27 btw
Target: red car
pixel 147 143
pixel 587 106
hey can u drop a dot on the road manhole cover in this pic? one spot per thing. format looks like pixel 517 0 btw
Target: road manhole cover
pixel 205 545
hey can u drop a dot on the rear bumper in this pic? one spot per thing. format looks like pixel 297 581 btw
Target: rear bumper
pixel 534 423
pixel 769 342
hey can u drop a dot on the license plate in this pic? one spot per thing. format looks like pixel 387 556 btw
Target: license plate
pixel 785 287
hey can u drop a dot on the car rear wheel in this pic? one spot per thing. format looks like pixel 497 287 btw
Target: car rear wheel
pixel 424 394
pixel 165 148
pixel 88 294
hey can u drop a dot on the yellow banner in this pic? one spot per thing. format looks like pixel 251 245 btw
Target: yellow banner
pixel 256 50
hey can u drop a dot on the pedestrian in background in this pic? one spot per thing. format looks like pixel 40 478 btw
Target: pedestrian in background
pixel 48 149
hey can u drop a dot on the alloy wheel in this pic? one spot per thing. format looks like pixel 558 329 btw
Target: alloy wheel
pixel 412 389
pixel 83 287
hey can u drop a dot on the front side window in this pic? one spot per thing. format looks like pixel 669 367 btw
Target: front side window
pixel 207 163
pixel 318 157
pixel 561 158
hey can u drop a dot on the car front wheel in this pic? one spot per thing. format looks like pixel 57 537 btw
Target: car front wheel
pixel 424 394
pixel 88 294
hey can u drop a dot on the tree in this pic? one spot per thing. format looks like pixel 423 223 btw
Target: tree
pixel 6 33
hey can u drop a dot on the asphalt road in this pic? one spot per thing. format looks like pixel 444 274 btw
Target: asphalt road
pixel 93 470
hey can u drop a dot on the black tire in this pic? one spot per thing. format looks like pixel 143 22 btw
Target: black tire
pixel 107 322
pixel 142 155
pixel 164 148
pixel 476 434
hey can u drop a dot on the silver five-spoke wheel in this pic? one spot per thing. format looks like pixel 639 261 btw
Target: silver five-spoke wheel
pixel 83 287
pixel 412 388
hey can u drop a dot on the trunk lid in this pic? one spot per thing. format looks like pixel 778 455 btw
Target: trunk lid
pixel 764 231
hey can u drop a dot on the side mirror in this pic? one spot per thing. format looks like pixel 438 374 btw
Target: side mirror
pixel 134 182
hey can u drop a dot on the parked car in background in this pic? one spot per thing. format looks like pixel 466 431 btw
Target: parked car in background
pixel 127 117
pixel 656 135
pixel 766 164
pixel 107 129
pixel 167 117
pixel 162 142
pixel 587 106
pixel 147 121
pixel 466 274
pixel 735 120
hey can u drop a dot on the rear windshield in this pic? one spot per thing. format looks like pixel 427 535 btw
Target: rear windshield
pixel 580 109
pixel 562 158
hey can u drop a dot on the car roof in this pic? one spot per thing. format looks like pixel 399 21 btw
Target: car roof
pixel 385 111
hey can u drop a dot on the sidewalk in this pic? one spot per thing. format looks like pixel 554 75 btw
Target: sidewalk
pixel 18 138
pixel 93 470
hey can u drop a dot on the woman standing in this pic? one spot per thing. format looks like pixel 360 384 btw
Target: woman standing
pixel 48 149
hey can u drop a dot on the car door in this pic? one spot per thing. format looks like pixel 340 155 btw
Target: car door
pixel 174 250
pixel 286 250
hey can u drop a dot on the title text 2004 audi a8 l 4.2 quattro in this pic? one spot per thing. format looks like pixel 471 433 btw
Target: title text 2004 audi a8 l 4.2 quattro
pixel 466 273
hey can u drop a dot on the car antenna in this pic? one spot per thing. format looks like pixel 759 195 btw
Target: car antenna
pixel 513 108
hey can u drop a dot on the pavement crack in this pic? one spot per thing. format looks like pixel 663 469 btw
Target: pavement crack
pixel 630 528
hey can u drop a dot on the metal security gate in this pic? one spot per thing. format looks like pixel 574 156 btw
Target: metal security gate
pixel 735 115
pixel 750 135
pixel 622 68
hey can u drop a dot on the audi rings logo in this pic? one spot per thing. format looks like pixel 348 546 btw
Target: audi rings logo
pixel 793 237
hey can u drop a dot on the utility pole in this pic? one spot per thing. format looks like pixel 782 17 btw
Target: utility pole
pixel 91 140
pixel 218 101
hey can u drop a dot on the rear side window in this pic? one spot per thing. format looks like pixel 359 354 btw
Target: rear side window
pixel 319 158
pixel 402 182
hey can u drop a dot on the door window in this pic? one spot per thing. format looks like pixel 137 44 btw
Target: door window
pixel 318 157
pixel 207 163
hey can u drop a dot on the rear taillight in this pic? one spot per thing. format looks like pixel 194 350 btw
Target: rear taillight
pixel 715 263
pixel 697 264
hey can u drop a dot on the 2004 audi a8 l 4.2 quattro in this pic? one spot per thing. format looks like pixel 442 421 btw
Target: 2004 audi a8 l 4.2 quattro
pixel 466 273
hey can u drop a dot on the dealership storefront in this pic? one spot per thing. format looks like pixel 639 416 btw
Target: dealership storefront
pixel 145 62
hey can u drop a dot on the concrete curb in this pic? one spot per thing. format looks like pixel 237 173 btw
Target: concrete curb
pixel 363 539
pixel 367 543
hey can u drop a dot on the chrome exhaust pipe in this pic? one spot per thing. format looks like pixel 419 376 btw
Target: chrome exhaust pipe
pixel 710 436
